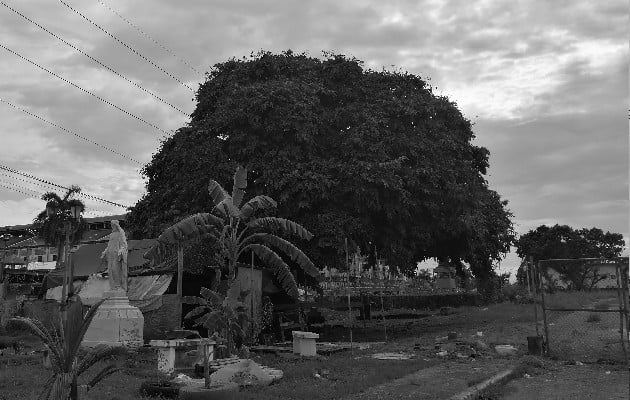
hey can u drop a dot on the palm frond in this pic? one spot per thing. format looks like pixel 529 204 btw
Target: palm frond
pixel 74 189
pixel 104 373
pixel 195 312
pixel 286 226
pixel 94 355
pixel 194 300
pixel 210 295
pixel 240 184
pixel 278 267
pixel 75 341
pixel 52 197
pixel 48 385
pixel 217 193
pixel 287 248
pixel 189 228
pixel 38 329
pixel 255 204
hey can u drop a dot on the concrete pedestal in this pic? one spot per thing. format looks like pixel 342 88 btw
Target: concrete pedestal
pixel 172 353
pixel 116 323
pixel 304 343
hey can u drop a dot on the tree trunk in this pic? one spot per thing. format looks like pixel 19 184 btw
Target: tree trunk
pixel 60 248
pixel 73 389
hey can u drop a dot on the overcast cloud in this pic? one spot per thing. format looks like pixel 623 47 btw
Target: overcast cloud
pixel 546 84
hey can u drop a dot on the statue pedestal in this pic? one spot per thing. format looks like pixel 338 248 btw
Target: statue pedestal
pixel 116 323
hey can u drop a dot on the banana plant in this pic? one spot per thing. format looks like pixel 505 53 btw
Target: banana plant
pixel 64 345
pixel 236 231
pixel 226 316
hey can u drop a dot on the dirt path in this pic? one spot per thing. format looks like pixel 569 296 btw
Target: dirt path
pixel 435 383
pixel 575 382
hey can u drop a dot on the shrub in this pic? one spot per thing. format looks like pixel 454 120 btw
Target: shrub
pixel 592 317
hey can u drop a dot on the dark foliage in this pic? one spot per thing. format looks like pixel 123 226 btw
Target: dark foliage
pixel 52 228
pixel 346 152
pixel 564 242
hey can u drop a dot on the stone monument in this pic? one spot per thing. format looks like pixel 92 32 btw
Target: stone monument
pixel 116 323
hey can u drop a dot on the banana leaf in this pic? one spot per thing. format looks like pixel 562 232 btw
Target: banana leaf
pixel 278 267
pixel 255 204
pixel 240 184
pixel 286 226
pixel 287 248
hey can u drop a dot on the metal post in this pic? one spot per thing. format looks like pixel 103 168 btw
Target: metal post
pixel 535 292
pixel 383 315
pixel 542 295
pixel 347 260
pixel 624 285
pixel 71 280
pixel 624 336
pixel 350 320
pixel 527 263
pixel 180 278
pixel 64 288
pixel 251 297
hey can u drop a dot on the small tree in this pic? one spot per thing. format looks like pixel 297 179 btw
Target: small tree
pixel 64 347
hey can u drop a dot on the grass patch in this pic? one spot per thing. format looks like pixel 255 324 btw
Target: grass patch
pixel 578 299
pixel 342 374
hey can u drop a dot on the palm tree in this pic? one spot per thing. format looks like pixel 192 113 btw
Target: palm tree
pixel 56 221
pixel 64 347
pixel 236 232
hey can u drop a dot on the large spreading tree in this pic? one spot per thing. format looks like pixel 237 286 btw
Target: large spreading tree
pixel 565 243
pixel 368 156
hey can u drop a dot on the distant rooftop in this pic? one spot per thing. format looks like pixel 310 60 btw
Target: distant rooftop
pixel 24 236
pixel 91 220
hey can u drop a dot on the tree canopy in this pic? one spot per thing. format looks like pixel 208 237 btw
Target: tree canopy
pixel 562 241
pixel 565 242
pixel 371 156
pixel 51 223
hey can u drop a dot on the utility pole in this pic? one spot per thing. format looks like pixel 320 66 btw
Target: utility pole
pixel 5 237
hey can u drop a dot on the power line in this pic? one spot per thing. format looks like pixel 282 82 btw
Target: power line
pixel 37 197
pixel 84 90
pixel 127 46
pixel 143 33
pixel 18 190
pixel 14 171
pixel 69 131
pixel 94 59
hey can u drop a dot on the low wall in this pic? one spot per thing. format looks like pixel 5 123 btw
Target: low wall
pixel 392 302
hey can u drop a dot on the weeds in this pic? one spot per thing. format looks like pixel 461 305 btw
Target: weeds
pixel 592 317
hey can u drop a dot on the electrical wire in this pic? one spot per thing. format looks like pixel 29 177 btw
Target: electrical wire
pixel 38 197
pixel 14 171
pixel 69 131
pixel 93 59
pixel 127 46
pixel 143 33
pixel 84 90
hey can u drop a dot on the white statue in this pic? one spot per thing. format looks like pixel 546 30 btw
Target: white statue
pixel 116 256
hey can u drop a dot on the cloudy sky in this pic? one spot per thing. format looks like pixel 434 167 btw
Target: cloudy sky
pixel 546 84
